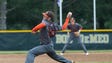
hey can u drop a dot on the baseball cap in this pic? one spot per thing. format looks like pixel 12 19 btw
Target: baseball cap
pixel 48 14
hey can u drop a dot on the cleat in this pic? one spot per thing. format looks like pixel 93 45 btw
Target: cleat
pixel 87 54
pixel 73 61
pixel 61 54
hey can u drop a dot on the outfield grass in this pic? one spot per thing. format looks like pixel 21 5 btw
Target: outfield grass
pixel 69 51
pixel 13 52
pixel 91 51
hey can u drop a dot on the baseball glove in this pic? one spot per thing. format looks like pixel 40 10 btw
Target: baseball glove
pixel 77 34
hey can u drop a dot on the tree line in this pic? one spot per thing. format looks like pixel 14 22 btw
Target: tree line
pixel 25 14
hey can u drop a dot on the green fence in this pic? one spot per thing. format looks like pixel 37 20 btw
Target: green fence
pixel 25 40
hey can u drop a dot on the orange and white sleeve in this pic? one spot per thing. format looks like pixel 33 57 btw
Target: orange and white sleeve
pixel 65 23
pixel 39 26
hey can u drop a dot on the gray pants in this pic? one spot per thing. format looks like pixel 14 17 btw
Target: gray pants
pixel 72 37
pixel 42 49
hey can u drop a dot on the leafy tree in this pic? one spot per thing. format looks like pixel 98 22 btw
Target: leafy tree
pixel 83 12
pixel 104 14
pixel 3 12
pixel 24 14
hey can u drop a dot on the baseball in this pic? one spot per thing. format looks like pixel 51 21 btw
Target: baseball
pixel 70 13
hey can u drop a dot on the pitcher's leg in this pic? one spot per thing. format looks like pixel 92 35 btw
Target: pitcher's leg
pixel 58 58
pixel 30 58
pixel 34 52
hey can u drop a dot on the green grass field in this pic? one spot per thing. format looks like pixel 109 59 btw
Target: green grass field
pixel 69 51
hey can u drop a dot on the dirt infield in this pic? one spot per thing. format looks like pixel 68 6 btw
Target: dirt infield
pixel 78 57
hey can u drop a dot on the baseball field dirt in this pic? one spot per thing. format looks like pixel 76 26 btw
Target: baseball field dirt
pixel 77 57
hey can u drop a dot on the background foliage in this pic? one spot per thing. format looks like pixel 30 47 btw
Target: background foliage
pixel 25 14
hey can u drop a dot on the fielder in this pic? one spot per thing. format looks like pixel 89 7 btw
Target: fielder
pixel 74 33
pixel 46 46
